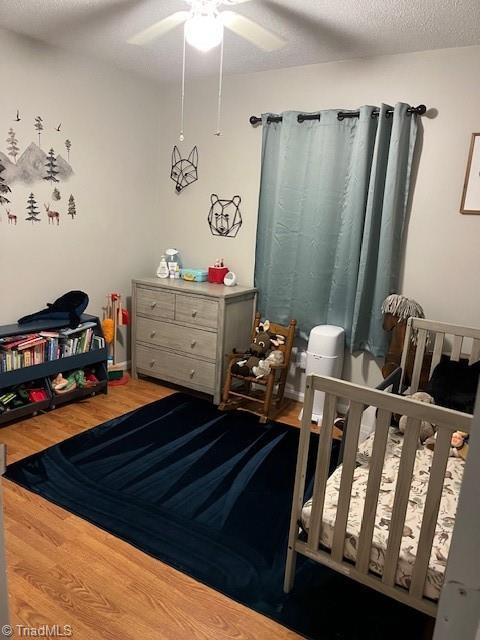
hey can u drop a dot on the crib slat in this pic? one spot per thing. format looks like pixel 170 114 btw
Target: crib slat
pixel 437 351
pixel 475 354
pixel 373 486
pixel 407 344
pixel 457 348
pixel 402 491
pixel 420 352
pixel 430 512
pixel 299 488
pixel 321 470
pixel 355 413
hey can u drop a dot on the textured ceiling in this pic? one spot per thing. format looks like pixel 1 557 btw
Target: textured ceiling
pixel 315 30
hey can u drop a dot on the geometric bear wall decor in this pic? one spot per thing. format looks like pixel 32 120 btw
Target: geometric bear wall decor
pixel 224 217
pixel 184 170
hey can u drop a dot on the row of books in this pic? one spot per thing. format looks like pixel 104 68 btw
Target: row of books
pixel 21 351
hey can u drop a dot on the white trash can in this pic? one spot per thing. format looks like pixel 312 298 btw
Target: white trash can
pixel 326 345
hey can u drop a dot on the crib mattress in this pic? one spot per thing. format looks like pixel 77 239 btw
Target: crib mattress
pixel 411 532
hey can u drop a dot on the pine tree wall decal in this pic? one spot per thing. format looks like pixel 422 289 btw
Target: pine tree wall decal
pixel 12 145
pixel 56 194
pixel 51 167
pixel 68 146
pixel 4 188
pixel 72 209
pixel 39 127
pixel 32 209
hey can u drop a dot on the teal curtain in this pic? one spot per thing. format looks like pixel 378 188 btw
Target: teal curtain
pixel 332 208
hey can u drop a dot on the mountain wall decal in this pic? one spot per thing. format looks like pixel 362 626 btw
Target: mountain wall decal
pixel 63 168
pixel 31 164
pixel 10 169
pixel 31 167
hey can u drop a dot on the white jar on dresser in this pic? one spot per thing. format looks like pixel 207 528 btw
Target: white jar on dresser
pixel 183 330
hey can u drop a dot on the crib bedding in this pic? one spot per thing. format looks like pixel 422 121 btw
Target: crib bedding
pixel 413 521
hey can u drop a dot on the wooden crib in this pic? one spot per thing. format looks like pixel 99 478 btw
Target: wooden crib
pixel 355 550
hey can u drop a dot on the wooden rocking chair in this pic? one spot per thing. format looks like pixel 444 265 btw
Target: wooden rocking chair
pixel 241 396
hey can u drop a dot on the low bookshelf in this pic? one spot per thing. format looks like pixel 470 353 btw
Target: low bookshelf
pixel 42 373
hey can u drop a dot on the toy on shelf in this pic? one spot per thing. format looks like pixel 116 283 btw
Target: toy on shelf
pixel 75 380
pixel 114 315
pixel 194 275
pixel 22 395
pixel 71 382
pixel 217 273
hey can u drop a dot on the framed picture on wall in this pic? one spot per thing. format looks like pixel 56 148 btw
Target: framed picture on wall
pixel 471 187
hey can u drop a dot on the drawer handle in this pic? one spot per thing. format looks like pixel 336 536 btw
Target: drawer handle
pixel 153 334
pixel 152 363
pixel 194 313
pixel 192 373
pixel 193 343
pixel 153 305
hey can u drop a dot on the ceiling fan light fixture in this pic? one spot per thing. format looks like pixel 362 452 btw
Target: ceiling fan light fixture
pixel 204 31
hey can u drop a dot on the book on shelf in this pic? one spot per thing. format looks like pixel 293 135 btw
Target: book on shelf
pixel 17 352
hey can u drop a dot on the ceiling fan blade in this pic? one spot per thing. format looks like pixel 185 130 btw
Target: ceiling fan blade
pixel 159 28
pixel 251 31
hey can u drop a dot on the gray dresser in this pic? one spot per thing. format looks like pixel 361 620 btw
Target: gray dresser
pixel 182 330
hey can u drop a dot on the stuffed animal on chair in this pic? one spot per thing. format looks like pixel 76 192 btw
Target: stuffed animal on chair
pixel 259 349
pixel 274 358
pixel 259 352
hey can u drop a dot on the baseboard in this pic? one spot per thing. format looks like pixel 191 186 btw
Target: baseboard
pixel 298 396
pixel 293 394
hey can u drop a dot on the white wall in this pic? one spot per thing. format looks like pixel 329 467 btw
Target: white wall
pixel 112 119
pixel 123 129
pixel 442 257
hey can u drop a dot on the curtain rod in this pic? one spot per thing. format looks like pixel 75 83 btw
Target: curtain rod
pixel 341 115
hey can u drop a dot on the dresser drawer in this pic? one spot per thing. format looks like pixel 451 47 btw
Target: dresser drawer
pixel 175 367
pixel 195 342
pixel 153 302
pixel 197 311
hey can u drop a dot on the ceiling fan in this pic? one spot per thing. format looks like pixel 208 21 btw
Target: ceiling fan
pixel 204 24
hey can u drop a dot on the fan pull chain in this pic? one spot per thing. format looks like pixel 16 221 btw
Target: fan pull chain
pixel 181 136
pixel 219 104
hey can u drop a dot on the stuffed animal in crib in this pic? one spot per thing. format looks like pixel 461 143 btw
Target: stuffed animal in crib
pixel 259 351
pixel 427 429
pixel 458 444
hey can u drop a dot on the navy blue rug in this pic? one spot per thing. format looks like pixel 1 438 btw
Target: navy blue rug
pixel 210 494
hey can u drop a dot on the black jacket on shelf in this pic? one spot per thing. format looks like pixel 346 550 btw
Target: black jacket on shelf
pixel 68 307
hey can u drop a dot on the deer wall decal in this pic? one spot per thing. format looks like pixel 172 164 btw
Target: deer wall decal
pixel 52 215
pixel 12 218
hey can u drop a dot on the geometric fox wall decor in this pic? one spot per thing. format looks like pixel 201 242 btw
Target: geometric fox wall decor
pixel 184 170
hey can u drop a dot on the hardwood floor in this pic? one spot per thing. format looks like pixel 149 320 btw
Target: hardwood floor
pixel 64 571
